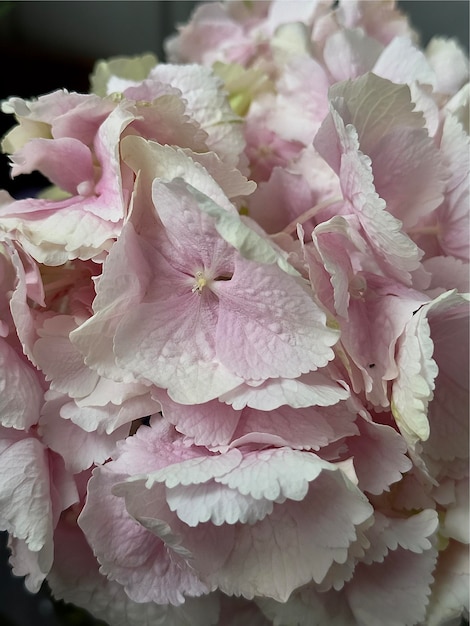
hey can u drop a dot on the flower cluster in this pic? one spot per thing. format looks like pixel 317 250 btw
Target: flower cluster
pixel 234 329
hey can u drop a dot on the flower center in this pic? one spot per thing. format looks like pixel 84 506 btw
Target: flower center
pixel 201 282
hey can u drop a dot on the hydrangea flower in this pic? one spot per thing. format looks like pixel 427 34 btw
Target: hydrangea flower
pixel 234 331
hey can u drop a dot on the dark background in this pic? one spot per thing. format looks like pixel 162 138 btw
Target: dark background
pixel 49 45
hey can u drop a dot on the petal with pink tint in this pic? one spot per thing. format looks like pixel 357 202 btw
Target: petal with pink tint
pixel 21 393
pixel 33 565
pixel 29 289
pixel 34 490
pixel 160 115
pixel 60 360
pixel 93 402
pixel 449 599
pixel 108 418
pixel 414 533
pixel 79 449
pixel 56 231
pixel 112 193
pixel 75 578
pixel 414 386
pixel 409 174
pixel 302 102
pixel 266 149
pixel 404 158
pixel 457 519
pixel 195 338
pixel 382 20
pixel 171 342
pixel 299 484
pixel 123 282
pixel 279 13
pixel 286 194
pixel 350 53
pixel 297 533
pixel 447 272
pixel 149 568
pixel 403 62
pixel 394 592
pixel 66 162
pixel 308 607
pixel 373 105
pixel 153 161
pixel 312 389
pixel 278 329
pixel 25 491
pixel 208 105
pixel 69 114
pixel 210 424
pixel 302 429
pixel 211 32
pixel 379 456
pixel 448 318
pixel 453 216
pixel 376 319
pixel 394 250
pixel 337 242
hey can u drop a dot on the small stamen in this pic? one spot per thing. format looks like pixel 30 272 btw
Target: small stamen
pixel 200 283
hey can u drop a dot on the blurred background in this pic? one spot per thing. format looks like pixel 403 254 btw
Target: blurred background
pixel 49 45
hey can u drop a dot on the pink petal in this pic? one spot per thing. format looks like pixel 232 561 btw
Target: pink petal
pixel 453 217
pixel 350 53
pixel 25 492
pixel 379 455
pixel 395 592
pixel 449 599
pixel 286 194
pixel 60 360
pixel 239 565
pixel 79 449
pixel 403 62
pixel 94 337
pixel 33 565
pixel 207 104
pixel 129 553
pixel 413 533
pixel 210 424
pixel 75 578
pixel 414 386
pixel 303 429
pixel 113 414
pixel 304 545
pixel 66 162
pixel 21 390
pixel 312 389
pixel 270 344
pixel 448 411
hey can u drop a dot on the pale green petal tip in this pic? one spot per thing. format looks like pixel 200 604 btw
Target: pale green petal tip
pixel 130 68
pixel 414 427
pixel 242 84
pixel 53 193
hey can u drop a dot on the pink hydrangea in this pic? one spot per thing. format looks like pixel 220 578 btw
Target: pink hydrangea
pixel 234 331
